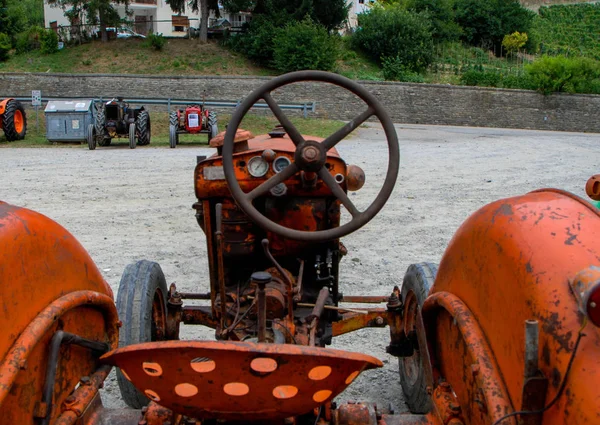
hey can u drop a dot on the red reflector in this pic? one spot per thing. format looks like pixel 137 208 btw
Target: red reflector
pixel 592 305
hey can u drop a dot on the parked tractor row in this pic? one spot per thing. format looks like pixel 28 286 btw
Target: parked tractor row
pixel 116 119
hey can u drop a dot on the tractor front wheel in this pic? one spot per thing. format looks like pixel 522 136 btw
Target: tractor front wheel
pixel 14 121
pixel 212 123
pixel 132 142
pixel 142 307
pixel 143 128
pixel 91 137
pixel 173 136
pixel 418 280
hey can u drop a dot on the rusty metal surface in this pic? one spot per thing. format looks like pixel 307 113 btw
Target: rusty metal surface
pixel 48 283
pixel 509 262
pixel 461 354
pixel 592 187
pixel 355 414
pixel 372 318
pixel 268 381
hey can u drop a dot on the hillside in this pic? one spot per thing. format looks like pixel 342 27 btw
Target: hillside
pixel 131 56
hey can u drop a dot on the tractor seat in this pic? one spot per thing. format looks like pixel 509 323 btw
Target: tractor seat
pixel 238 380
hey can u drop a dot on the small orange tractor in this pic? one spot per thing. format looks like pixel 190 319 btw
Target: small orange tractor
pixel 193 119
pixel 504 332
pixel 13 119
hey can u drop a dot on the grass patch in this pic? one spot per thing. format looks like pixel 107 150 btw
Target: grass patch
pixel 257 124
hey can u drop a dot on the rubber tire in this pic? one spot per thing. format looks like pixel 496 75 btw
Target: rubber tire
pixel 419 279
pixel 139 284
pixel 173 137
pixel 213 125
pixel 132 142
pixel 173 118
pixel 8 121
pixel 143 128
pixel 99 121
pixel 91 137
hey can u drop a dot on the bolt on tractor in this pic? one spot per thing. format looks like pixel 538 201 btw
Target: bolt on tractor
pixel 116 119
pixel 13 119
pixel 193 119
pixel 503 332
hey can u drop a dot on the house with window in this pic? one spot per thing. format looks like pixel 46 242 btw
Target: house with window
pixel 149 15
pixel 356 7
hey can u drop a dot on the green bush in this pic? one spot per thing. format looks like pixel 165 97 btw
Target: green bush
pixel 396 33
pixel 304 45
pixel 258 44
pixel 156 41
pixel 48 42
pixel 485 23
pixel 394 70
pixel 5 46
pixel 562 74
pixel 29 40
pixel 480 78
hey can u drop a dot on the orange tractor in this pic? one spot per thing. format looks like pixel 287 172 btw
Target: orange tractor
pixel 504 332
pixel 13 119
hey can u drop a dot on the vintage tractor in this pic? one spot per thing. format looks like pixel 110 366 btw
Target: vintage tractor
pixel 13 119
pixel 504 332
pixel 116 119
pixel 193 119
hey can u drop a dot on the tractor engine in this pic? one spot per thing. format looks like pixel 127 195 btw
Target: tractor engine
pixel 194 119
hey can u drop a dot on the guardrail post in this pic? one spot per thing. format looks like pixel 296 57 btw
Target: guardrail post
pixel 169 105
pixel 305 110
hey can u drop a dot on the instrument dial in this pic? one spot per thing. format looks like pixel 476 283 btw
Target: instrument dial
pixel 257 166
pixel 280 163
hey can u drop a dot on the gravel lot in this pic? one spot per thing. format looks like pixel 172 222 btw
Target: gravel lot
pixel 124 205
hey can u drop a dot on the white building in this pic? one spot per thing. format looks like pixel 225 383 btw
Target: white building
pixel 357 6
pixel 149 15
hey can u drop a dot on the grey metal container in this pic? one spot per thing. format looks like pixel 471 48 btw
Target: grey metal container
pixel 67 120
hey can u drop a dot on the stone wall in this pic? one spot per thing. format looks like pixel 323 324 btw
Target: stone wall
pixel 406 103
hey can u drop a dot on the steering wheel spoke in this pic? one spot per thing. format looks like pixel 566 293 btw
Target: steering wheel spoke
pixel 343 132
pixel 338 192
pixel 262 189
pixel 283 120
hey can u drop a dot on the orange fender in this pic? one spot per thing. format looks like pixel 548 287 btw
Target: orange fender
pixel 3 105
pixel 509 262
pixel 48 282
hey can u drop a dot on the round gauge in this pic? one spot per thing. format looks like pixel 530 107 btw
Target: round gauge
pixel 280 163
pixel 257 166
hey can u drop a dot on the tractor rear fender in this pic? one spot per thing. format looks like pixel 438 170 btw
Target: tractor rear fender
pixel 510 262
pixel 3 105
pixel 48 282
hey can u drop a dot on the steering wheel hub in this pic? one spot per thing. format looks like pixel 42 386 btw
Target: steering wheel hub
pixel 310 156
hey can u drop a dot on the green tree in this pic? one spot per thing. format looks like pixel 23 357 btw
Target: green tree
pixel 204 6
pixel 12 19
pixel 485 23
pixel 332 14
pixel 304 45
pixel 441 14
pixel 514 42
pixel 98 12
pixel 396 33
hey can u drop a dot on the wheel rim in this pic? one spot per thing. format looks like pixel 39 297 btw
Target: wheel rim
pixel 19 121
pixel 412 364
pixel 159 317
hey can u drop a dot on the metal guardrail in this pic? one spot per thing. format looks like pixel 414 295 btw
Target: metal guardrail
pixel 304 107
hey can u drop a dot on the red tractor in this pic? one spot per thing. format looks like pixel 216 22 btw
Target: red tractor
pixel 194 119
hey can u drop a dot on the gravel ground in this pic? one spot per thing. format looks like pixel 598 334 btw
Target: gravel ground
pixel 124 205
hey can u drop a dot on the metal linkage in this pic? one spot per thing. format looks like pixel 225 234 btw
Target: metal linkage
pixel 58 339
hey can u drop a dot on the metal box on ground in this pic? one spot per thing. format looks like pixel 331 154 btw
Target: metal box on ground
pixel 67 120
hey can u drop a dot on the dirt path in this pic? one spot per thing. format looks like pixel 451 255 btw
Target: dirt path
pixel 124 205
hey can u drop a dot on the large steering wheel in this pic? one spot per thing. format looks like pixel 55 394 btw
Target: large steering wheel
pixel 310 156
